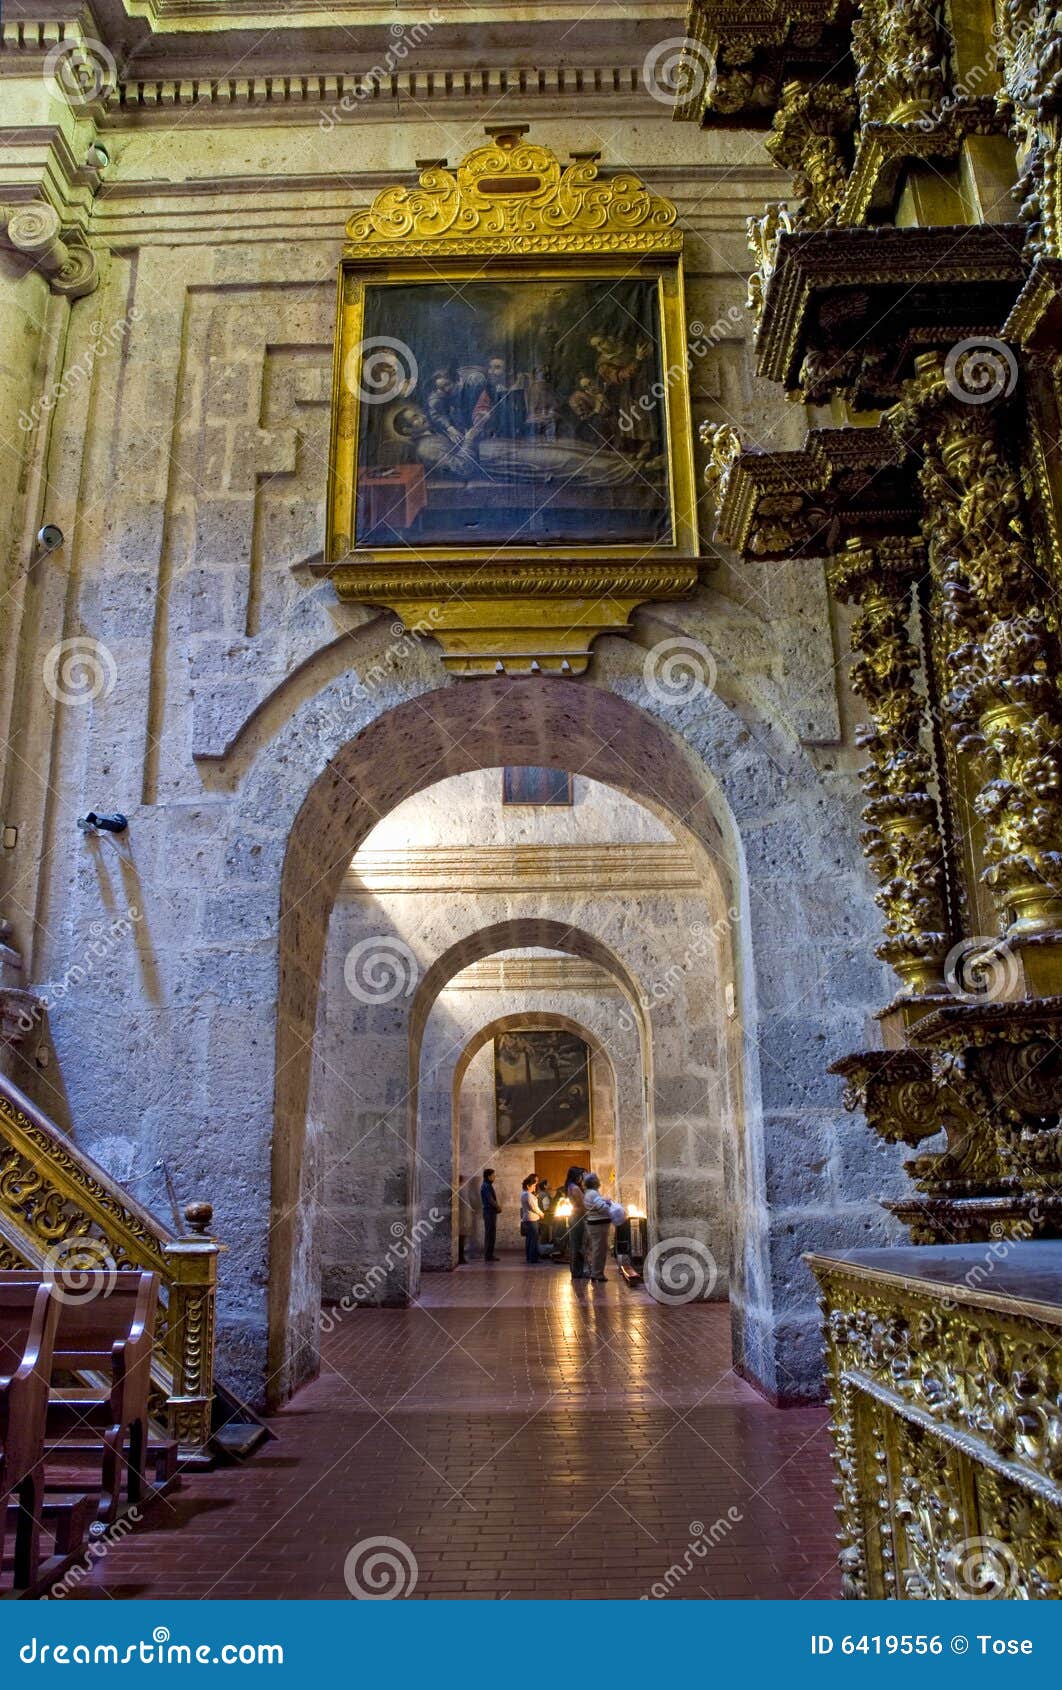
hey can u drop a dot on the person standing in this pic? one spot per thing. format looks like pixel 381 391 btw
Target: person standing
pixel 545 1225
pixel 530 1215
pixel 466 1217
pixel 491 1210
pixel 577 1225
pixel 601 1215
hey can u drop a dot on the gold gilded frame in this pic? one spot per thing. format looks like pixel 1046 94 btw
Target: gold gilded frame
pixel 508 211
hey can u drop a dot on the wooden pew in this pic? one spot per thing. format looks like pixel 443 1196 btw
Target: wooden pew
pixel 28 1318
pixel 105 1327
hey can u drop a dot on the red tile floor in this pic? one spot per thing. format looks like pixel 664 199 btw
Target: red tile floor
pixel 519 1437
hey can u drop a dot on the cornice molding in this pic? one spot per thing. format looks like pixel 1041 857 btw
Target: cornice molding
pixel 605 870
pixel 295 93
pixel 534 974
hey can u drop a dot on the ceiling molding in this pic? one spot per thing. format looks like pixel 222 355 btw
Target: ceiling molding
pixel 605 870
pixel 534 974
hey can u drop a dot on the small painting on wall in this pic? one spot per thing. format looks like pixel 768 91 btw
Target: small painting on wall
pixel 544 787
pixel 542 1088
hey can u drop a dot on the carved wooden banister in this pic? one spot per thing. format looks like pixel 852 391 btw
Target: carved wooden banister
pixel 59 1209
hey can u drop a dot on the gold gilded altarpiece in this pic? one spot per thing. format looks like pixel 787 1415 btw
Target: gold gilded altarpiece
pixel 906 291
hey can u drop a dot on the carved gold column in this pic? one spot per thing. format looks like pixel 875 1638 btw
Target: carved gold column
pixel 898 51
pixel 807 138
pixel 192 1263
pixel 902 841
pixel 1030 48
pixel 1004 703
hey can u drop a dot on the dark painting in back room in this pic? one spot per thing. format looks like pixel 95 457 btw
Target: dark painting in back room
pixel 537 788
pixel 542 1087
pixel 512 413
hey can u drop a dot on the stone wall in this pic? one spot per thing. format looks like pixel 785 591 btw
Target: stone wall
pixel 254 730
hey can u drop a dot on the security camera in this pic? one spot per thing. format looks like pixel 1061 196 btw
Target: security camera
pixel 93 823
pixel 50 538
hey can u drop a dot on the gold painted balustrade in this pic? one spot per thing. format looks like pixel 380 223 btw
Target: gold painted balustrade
pixel 60 1210
pixel 946 1420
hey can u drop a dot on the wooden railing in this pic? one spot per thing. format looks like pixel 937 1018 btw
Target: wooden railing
pixel 62 1212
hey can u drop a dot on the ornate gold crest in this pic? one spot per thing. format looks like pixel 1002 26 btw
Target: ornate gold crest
pixel 512 197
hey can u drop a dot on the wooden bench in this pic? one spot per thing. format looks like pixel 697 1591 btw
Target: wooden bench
pixel 28 1318
pixel 105 1328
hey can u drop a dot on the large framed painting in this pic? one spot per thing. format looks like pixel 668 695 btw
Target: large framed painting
pixel 542 1087
pixel 511 455
pixel 515 412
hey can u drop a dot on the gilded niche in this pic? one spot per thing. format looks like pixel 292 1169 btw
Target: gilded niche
pixel 511 460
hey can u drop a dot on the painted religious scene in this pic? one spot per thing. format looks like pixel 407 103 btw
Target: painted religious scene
pixel 542 1088
pixel 512 413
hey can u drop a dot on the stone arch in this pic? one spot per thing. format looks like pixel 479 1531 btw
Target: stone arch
pixel 385 1164
pixel 690 1142
pixel 514 1021
pixel 705 768
pixel 450 1044
pixel 480 723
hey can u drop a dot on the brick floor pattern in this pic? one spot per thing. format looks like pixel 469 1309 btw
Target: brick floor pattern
pixel 521 1437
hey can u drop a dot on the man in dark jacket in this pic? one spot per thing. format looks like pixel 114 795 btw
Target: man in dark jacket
pixel 491 1210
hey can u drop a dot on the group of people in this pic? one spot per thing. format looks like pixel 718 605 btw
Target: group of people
pixel 573 1222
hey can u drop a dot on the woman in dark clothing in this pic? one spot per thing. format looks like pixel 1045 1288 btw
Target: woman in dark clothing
pixel 545 1225
pixel 577 1225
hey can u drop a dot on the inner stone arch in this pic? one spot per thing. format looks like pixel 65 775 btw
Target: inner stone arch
pixel 471 1100
pixel 455 730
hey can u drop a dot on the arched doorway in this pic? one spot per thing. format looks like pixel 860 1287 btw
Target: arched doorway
pixel 479 724
pixel 456 1034
pixel 471 1108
